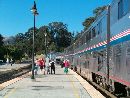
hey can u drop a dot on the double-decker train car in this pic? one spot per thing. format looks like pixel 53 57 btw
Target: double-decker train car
pixel 102 53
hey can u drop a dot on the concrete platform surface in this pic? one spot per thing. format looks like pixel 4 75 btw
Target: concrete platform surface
pixel 57 85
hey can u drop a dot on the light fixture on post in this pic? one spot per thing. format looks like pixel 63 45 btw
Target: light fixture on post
pixel 34 11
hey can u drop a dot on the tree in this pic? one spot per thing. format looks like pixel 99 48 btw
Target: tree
pixel 98 10
pixel 19 40
pixel 28 42
pixel 2 48
pixel 1 40
pixel 60 35
pixel 16 54
pixel 40 39
pixel 88 22
pixel 25 41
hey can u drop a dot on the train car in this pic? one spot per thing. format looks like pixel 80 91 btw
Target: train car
pixel 102 53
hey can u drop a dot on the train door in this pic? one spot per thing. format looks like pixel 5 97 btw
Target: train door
pixel 128 61
pixel 95 61
pixel 87 61
pixel 100 60
pixel 117 60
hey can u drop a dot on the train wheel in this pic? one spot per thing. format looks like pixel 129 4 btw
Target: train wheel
pixel 104 83
pixel 112 87
pixel 101 81
pixel 80 70
pixel 120 90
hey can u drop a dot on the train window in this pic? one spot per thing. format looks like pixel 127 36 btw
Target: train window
pixel 126 6
pixel 111 51
pixel 98 32
pixel 128 51
pixel 104 24
pixel 120 9
pixel 84 39
pixel 81 40
pixel 128 58
pixel 128 63
pixel 93 32
pixel 123 8
pixel 117 58
pixel 88 36
pixel 117 50
pixel 128 48
pixel 100 27
pixel 94 55
pixel 97 29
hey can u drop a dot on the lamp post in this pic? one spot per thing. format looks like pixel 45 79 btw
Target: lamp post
pixel 34 11
pixel 7 55
pixel 45 43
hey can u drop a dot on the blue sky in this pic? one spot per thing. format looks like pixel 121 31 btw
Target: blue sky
pixel 16 17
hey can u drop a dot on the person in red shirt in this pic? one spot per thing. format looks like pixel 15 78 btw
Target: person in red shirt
pixel 66 65
pixel 42 64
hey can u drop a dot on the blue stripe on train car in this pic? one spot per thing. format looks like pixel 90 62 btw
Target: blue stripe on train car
pixel 115 42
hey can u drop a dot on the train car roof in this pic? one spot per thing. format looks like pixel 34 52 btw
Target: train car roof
pixel 98 18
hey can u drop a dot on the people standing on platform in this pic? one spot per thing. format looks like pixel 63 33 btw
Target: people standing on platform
pixel 62 64
pixel 42 65
pixel 36 66
pixel 47 65
pixel 66 65
pixel 11 61
pixel 7 61
pixel 52 66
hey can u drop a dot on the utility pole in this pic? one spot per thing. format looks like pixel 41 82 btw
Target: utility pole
pixel 34 11
pixel 108 44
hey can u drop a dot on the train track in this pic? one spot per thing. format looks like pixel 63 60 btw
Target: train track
pixel 13 73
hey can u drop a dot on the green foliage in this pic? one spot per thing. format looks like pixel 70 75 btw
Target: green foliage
pixel 58 37
pixel 12 52
pixel 40 39
pixel 2 53
pixel 98 10
pixel 17 54
pixel 1 40
pixel 88 22
pixel 2 48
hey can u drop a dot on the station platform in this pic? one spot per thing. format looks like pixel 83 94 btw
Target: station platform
pixel 59 85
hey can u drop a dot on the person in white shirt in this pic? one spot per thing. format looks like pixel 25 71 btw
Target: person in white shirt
pixel 47 65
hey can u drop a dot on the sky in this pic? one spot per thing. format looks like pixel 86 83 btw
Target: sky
pixel 16 17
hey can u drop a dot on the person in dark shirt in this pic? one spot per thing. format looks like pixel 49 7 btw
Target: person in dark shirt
pixel 52 67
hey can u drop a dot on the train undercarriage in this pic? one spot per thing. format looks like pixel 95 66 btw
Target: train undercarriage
pixel 114 87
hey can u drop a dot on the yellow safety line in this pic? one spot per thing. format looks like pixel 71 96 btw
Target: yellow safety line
pixel 13 90
pixel 74 88
pixel 9 93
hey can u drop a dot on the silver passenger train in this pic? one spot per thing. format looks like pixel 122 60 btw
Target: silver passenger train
pixel 102 53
